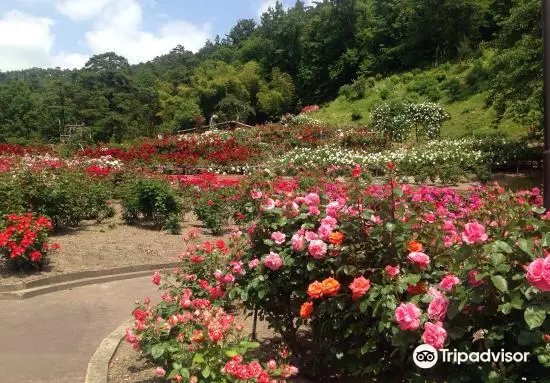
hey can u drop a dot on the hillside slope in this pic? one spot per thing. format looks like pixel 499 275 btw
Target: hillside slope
pixel 461 87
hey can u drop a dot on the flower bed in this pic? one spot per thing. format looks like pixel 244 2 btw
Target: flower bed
pixel 370 272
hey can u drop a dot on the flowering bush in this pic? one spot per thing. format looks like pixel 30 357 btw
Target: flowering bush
pixel 376 270
pixel 189 335
pixel 24 240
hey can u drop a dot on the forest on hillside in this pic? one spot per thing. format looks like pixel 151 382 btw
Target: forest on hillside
pixel 292 57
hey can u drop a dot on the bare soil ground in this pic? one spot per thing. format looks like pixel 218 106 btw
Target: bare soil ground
pixel 106 245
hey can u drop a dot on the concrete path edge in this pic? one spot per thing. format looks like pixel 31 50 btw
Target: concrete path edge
pixel 98 367
pixel 67 281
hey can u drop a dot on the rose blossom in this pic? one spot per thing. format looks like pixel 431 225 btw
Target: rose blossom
pixel 317 249
pixel 324 232
pixel 268 204
pixel 329 221
pixel 434 335
pixel 273 261
pixel 438 308
pixel 420 259
pixel 392 271
pixel 278 237
pixel 474 233
pixel 159 371
pixel 472 278
pixel 306 309
pixel 408 316
pixel 449 282
pixel 314 210
pixel 253 263
pixel 156 278
pixel 538 273
pixel 359 287
pixel 310 235
pixel 298 242
pixel 312 199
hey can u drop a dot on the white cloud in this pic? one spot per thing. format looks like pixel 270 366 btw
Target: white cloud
pixel 120 29
pixel 26 41
pixel 79 10
pixel 265 5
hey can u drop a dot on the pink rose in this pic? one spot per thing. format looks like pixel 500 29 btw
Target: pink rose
pixel 434 335
pixel 273 261
pixel 156 278
pixel 317 249
pixel 312 199
pixel 278 237
pixel 324 231
pixel 271 365
pixel 448 226
pixel 359 287
pixel 329 221
pixel 538 273
pixel 449 282
pixel 392 271
pixel 408 316
pixel 438 308
pixel 268 204
pixel 256 194
pixel 332 209
pixel 474 233
pixel 298 242
pixel 420 259
pixel 159 371
pixel 311 236
pixel 472 278
pixel 314 210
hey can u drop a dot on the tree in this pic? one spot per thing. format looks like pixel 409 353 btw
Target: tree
pixel 242 31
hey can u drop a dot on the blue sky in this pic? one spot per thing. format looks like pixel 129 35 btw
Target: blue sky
pixel 65 33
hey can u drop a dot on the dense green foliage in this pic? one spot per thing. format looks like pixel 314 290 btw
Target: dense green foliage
pixel 65 197
pixel 152 201
pixel 294 57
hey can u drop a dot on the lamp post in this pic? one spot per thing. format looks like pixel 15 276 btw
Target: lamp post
pixel 546 66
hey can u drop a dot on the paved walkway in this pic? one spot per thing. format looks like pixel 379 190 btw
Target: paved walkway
pixel 51 338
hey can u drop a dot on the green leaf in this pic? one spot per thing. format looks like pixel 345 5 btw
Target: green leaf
pixel 310 266
pixel 231 353
pixel 398 192
pixel 538 210
pixel 363 306
pixel 198 358
pixel 500 283
pixel 503 246
pixel 546 240
pixel 523 244
pixel 261 294
pixel 497 259
pixel 244 296
pixel 184 372
pixel 157 350
pixel 505 308
pixel 206 372
pixel 526 338
pixel 534 316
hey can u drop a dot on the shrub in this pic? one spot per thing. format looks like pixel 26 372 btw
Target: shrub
pixel 189 335
pixel 351 262
pixel 59 195
pixel 24 240
pixel 151 201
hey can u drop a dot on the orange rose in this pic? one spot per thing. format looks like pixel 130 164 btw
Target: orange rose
pixel 414 247
pixel 331 287
pixel 315 290
pixel 306 310
pixel 336 238
pixel 198 337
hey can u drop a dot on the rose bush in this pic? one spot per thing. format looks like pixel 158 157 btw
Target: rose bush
pixel 24 240
pixel 375 270
pixel 189 335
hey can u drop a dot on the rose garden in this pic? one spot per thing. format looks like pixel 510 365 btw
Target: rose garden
pixel 353 246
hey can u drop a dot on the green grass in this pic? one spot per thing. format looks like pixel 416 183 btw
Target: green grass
pixel 461 87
